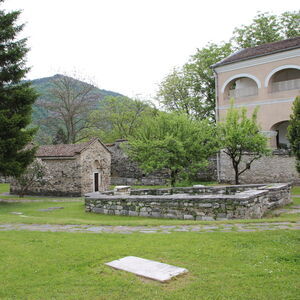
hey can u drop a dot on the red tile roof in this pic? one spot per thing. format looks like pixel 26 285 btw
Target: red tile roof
pixel 260 50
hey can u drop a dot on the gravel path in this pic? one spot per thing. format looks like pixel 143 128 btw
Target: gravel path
pixel 155 229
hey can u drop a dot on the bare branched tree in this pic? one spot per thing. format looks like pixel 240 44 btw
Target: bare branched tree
pixel 69 101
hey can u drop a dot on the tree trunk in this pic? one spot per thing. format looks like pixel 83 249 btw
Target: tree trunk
pixel 173 177
pixel 236 170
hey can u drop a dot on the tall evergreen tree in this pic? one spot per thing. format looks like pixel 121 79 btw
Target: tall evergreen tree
pixel 16 98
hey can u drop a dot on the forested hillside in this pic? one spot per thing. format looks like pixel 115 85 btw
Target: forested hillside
pixel 41 115
pixel 43 86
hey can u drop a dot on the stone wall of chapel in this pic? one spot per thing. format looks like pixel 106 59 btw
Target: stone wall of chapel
pixel 64 179
pixel 95 159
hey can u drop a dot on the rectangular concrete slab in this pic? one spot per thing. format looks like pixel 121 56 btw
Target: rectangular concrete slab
pixel 147 268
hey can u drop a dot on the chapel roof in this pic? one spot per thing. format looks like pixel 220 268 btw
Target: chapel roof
pixel 261 50
pixel 63 150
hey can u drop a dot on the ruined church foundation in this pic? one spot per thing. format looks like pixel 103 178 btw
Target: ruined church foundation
pixel 193 203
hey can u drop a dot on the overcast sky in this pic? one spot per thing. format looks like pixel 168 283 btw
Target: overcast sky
pixel 128 46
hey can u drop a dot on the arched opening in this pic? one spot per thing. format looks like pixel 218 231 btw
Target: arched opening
pixel 285 80
pixel 241 87
pixel 97 176
pixel 97 165
pixel 281 141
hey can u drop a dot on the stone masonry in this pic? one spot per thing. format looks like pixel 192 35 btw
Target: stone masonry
pixel 126 172
pixel 193 203
pixel 279 167
pixel 72 169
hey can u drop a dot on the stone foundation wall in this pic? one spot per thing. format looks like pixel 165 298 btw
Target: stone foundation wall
pixel 209 203
pixel 279 167
pixel 5 179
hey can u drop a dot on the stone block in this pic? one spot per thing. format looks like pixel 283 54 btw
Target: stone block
pixel 207 218
pixel 205 205
pixel 188 217
pixel 98 210
pixel 156 215
pixel 222 215
pixel 171 216
pixel 122 190
pixel 133 213
pixel 147 268
pixel 144 214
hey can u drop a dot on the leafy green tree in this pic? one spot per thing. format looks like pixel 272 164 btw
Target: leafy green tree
pixel 16 97
pixel 294 131
pixel 267 28
pixel 240 137
pixel 290 24
pixel 118 117
pixel 173 142
pixel 201 76
pixel 191 89
pixel 174 93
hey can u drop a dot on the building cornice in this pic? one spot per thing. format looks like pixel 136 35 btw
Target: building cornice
pixel 258 61
pixel 258 103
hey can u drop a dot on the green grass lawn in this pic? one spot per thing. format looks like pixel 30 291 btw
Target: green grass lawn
pixel 296 190
pixel 235 265
pixel 74 213
pixel 249 265
pixel 4 188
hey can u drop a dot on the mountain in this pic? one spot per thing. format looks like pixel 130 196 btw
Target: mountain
pixel 42 87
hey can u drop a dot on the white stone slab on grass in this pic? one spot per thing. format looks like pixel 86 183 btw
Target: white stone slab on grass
pixel 147 268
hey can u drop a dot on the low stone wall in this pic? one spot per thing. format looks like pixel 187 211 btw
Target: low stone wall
pixel 207 203
pixel 279 167
pixel 4 179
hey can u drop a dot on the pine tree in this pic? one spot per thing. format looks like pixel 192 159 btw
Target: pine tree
pixel 16 98
pixel 294 131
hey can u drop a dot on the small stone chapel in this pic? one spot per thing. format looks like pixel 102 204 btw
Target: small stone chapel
pixel 74 169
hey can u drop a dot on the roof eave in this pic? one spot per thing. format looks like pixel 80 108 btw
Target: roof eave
pixel 252 57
